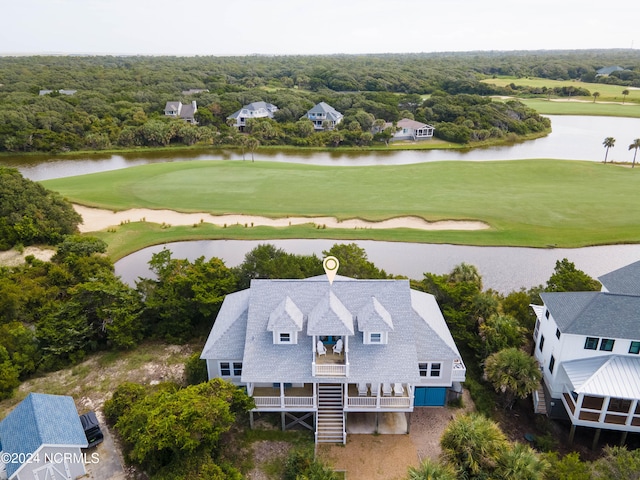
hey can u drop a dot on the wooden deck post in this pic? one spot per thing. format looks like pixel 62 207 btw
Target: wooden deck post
pixel 596 437
pixel 572 433
pixel 623 438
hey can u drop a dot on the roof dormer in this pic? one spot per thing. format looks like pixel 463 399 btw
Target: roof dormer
pixel 285 322
pixel 375 322
pixel 330 317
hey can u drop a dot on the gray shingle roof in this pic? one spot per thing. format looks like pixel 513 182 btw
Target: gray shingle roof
pixel 599 314
pixel 41 419
pixel 416 336
pixel 625 280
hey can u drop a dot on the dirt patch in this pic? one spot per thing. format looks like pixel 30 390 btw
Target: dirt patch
pixel 388 457
pixel 264 453
pixel 13 258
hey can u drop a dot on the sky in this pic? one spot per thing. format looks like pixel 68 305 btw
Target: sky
pixel 293 27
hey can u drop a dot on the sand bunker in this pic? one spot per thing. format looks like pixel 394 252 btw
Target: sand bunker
pixel 95 219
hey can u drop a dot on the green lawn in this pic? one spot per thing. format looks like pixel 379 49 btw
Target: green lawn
pixel 574 107
pixel 526 202
pixel 607 92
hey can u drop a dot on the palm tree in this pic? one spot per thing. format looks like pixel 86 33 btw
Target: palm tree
pixel 625 92
pixel 431 470
pixel 512 373
pixel 464 272
pixel 521 462
pixel 635 145
pixel 595 95
pixel 608 143
pixel 252 144
pixel 472 444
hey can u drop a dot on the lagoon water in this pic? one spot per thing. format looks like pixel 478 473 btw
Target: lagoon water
pixel 503 269
pixel 572 138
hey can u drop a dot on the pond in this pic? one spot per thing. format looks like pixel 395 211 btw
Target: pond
pixel 572 138
pixel 504 269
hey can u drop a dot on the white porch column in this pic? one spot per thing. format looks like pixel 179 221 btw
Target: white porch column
pixel 377 394
pixel 250 389
pixel 315 395
pixel 603 412
pixel 281 395
pixel 576 413
pixel 632 410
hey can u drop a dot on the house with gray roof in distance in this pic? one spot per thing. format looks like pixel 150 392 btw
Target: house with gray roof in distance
pixel 336 357
pixel 42 437
pixel 186 112
pixel 324 116
pixel 606 71
pixel 253 110
pixel 588 347
pixel 407 129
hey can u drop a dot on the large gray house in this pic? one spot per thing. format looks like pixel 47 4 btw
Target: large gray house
pixel 324 116
pixel 318 352
pixel 253 110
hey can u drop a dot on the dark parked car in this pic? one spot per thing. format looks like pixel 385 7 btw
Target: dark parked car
pixel 91 428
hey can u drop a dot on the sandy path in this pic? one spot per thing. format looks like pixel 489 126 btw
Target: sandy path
pixel 94 219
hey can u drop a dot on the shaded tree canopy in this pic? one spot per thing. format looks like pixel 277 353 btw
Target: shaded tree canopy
pixel 567 278
pixel 30 214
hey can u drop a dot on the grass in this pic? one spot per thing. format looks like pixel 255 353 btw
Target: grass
pixel 536 203
pixel 572 107
pixel 607 92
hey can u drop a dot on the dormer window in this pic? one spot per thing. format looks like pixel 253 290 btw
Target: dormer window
pixel 375 338
pixel 285 337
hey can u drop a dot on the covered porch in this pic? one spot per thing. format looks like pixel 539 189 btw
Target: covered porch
pixel 284 396
pixel 603 393
pixel 365 397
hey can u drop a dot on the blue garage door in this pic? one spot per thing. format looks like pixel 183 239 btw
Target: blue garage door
pixel 430 396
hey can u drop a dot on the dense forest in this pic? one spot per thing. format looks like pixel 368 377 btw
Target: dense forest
pixel 119 101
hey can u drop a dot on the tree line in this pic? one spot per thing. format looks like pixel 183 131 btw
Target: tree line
pixel 119 101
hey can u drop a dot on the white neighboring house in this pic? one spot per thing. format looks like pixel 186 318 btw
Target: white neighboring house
pixel 588 347
pixel 43 436
pixel 408 129
pixel 317 352
pixel 324 116
pixel 185 112
pixel 253 110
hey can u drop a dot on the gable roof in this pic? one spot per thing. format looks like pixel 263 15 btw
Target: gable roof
pixel 330 317
pixel 254 107
pixel 600 314
pixel 414 337
pixel 286 316
pixel 625 280
pixel 41 419
pixel 373 317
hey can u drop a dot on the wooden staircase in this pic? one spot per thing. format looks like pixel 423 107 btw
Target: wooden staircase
pixel 540 401
pixel 330 421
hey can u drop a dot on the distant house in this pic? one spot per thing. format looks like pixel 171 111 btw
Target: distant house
pixel 253 110
pixel 408 129
pixel 193 91
pixel 319 353
pixel 324 117
pixel 588 347
pixel 61 92
pixel 605 71
pixel 186 112
pixel 44 435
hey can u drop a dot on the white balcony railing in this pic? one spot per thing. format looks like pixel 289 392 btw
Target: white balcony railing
pixel 286 402
pixel 330 370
